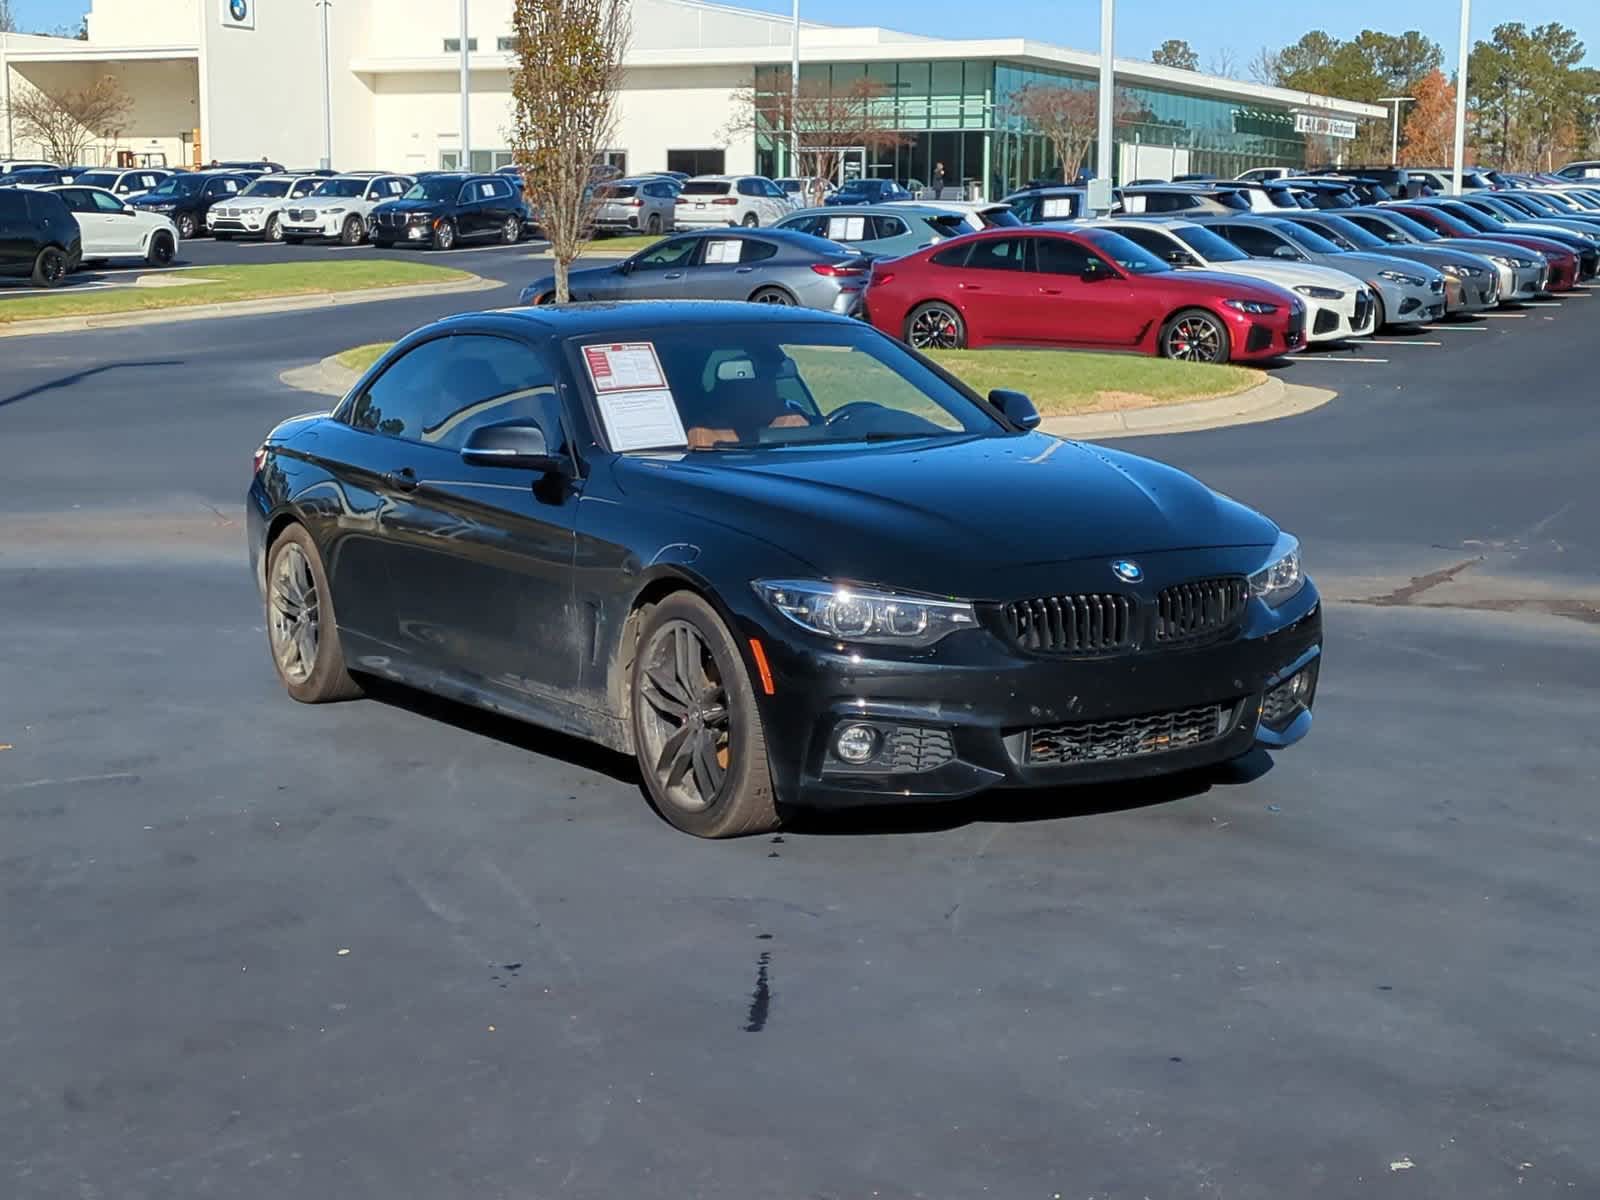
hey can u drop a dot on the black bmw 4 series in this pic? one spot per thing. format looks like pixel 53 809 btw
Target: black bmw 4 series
pixel 777 556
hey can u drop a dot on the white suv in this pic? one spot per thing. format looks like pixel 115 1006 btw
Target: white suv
pixel 340 207
pixel 708 201
pixel 113 228
pixel 258 210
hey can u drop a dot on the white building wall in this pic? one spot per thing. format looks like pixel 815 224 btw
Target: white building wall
pixel 145 22
pixel 676 108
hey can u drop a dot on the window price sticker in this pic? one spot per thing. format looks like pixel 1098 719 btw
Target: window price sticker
pixel 636 404
pixel 624 367
pixel 724 252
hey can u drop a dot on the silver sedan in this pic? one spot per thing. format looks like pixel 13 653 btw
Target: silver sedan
pixel 769 266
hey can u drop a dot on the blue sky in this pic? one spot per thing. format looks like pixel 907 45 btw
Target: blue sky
pixel 1242 26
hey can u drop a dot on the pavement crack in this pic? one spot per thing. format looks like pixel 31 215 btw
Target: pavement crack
pixel 1419 584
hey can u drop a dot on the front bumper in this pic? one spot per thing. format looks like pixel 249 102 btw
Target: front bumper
pixel 986 716
pixel 1472 293
pixel 248 223
pixel 1333 320
pixel 311 223
pixel 1404 305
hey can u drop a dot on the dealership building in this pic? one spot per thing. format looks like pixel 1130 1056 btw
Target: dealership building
pixel 234 79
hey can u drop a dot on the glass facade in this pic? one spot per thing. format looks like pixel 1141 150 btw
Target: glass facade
pixel 962 113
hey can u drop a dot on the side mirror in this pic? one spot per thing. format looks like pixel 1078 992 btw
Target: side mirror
pixel 1180 258
pixel 1285 252
pixel 1016 406
pixel 1093 271
pixel 625 267
pixel 512 444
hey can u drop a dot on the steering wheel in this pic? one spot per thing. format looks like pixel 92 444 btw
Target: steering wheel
pixel 856 408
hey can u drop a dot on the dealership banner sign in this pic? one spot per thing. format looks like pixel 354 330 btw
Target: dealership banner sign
pixel 238 14
pixel 1335 127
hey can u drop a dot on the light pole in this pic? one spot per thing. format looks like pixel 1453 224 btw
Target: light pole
pixel 1394 129
pixel 327 91
pixel 1108 92
pixel 794 91
pixel 466 96
pixel 1461 92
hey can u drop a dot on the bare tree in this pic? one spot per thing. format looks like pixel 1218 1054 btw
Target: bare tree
pixel 1224 64
pixel 1068 117
pixel 823 119
pixel 65 123
pixel 1266 67
pixel 564 84
pixel 8 20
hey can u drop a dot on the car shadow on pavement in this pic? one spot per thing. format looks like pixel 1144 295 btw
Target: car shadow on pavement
pixel 67 381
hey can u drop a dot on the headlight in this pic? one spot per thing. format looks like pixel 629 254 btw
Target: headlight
pixel 1401 277
pixel 1503 261
pixel 864 614
pixel 1281 578
pixel 1524 263
pixel 1259 307
pixel 1452 270
pixel 333 212
pixel 1319 293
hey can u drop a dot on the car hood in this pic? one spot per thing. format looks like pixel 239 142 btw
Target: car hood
pixel 1290 275
pixel 1375 262
pixel 1000 504
pixel 426 207
pixel 1484 246
pixel 148 201
pixel 1206 284
pixel 326 202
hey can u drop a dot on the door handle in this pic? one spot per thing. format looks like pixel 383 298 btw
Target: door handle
pixel 1044 291
pixel 403 480
pixel 673 275
pixel 970 287
pixel 745 270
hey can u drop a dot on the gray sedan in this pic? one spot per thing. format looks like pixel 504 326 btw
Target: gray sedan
pixel 1408 293
pixel 1472 284
pixel 770 266
pixel 1522 271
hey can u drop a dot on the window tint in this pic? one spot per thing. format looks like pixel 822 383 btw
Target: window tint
pixel 773 190
pixel 76 199
pixel 1152 240
pixel 500 189
pixel 887 227
pixel 105 201
pixel 1160 202
pixel 956 256
pixel 1058 256
pixel 444 389
pixel 674 253
pixel 999 254
pixel 756 251
pixel 304 188
pixel 750 187
pixel 1258 243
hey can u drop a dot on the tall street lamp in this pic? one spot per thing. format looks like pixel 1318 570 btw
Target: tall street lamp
pixel 327 91
pixel 1394 131
pixel 1100 195
pixel 466 95
pixel 794 91
pixel 1461 92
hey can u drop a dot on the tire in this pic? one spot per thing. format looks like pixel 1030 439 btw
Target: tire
pixel 772 295
pixel 161 250
pixel 297 592
pixel 935 326
pixel 50 267
pixel 353 232
pixel 444 237
pixel 187 226
pixel 751 221
pixel 1379 316
pixel 653 225
pixel 703 733
pixel 274 230
pixel 223 237
pixel 511 231
pixel 1194 335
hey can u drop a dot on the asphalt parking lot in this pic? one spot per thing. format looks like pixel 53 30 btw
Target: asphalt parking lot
pixel 398 949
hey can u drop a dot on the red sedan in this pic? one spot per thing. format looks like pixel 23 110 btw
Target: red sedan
pixel 1087 288
pixel 1563 262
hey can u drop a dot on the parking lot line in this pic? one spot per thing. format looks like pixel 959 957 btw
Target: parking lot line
pixel 1507 316
pixel 1542 304
pixel 1455 328
pixel 1403 342
pixel 1345 358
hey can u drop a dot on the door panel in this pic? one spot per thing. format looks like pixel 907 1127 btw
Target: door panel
pixel 1106 311
pixel 662 271
pixel 997 293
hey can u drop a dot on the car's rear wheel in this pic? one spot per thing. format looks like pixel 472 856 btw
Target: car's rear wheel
pixel 352 231
pixel 161 250
pixel 750 221
pixel 444 237
pixel 772 295
pixel 50 267
pixel 936 326
pixel 511 231
pixel 653 224
pixel 698 735
pixel 274 229
pixel 301 629
pixel 1194 335
pixel 186 226
pixel 1380 318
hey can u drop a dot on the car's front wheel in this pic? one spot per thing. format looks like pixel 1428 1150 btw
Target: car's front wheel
pixel 301 629
pixel 696 730
pixel 511 231
pixel 444 237
pixel 274 229
pixel 936 326
pixel 352 231
pixel 1195 336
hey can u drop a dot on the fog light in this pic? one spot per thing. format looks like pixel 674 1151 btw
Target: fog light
pixel 1286 701
pixel 857 744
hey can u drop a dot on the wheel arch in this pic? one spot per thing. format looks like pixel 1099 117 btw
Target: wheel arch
pixel 1160 327
pixel 773 287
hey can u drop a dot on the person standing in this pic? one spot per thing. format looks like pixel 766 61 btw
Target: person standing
pixel 938 180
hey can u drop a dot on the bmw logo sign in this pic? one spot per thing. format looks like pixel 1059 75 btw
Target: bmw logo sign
pixel 238 9
pixel 1127 570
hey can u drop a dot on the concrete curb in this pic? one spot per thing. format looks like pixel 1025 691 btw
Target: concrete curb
pixel 328 377
pixel 1267 401
pixel 244 308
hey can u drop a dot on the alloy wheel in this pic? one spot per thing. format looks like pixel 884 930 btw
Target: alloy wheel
pixel 935 329
pixel 773 296
pixel 511 231
pixel 1195 339
pixel 294 614
pixel 685 717
pixel 445 236
pixel 53 267
pixel 186 227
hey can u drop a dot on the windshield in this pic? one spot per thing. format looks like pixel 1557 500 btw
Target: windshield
pixel 1342 229
pixel 1412 229
pixel 1209 246
pixel 706 187
pixel 444 187
pixel 1306 239
pixel 1281 197
pixel 345 188
pixel 178 185
pixel 1473 217
pixel 1130 256
pixel 267 187
pixel 789 386
pixel 103 179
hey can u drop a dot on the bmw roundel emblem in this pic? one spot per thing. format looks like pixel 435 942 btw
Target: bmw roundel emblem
pixel 1127 570
pixel 238 9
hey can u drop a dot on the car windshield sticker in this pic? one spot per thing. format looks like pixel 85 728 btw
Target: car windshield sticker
pixel 643 420
pixel 624 367
pixel 847 229
pixel 727 251
pixel 1060 206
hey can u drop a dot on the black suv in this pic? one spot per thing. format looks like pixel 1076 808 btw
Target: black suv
pixel 445 208
pixel 186 199
pixel 39 238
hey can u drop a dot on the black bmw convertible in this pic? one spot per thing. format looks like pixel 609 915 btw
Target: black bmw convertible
pixel 778 556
